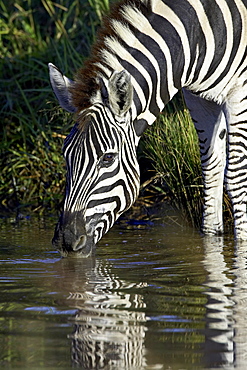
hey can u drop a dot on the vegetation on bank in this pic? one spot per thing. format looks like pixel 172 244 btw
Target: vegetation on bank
pixel 33 127
pixel 172 146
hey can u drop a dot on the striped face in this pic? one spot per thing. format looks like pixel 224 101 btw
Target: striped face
pixel 102 179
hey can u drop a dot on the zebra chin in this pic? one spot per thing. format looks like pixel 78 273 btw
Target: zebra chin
pixel 71 238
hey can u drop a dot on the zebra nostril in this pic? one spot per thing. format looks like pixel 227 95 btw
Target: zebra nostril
pixel 79 243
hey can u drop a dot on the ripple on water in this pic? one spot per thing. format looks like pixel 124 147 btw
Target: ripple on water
pixel 160 297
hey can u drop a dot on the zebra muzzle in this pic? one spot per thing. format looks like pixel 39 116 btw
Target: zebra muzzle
pixel 81 246
pixel 71 237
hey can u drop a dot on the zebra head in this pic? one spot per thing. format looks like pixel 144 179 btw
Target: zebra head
pixel 102 168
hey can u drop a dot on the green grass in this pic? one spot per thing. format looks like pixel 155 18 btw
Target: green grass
pixel 33 33
pixel 172 146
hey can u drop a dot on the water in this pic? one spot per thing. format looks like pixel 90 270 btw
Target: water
pixel 161 297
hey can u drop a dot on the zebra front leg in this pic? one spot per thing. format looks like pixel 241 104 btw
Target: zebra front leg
pixel 212 141
pixel 210 124
pixel 236 171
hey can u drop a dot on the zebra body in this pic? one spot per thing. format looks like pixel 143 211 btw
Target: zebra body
pixel 146 52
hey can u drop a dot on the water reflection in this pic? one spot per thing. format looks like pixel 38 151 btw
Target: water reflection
pixel 219 331
pixel 109 329
pixel 239 297
pixel 144 300
pixel 226 327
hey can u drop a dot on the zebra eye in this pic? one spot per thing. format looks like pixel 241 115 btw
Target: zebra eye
pixel 108 158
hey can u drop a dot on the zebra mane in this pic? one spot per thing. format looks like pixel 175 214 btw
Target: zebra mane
pixel 87 82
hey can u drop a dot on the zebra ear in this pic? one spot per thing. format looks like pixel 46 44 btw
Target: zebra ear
pixel 60 85
pixel 120 92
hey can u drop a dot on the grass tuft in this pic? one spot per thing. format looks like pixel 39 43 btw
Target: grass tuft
pixel 172 146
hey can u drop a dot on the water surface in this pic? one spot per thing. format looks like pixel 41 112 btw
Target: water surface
pixel 159 297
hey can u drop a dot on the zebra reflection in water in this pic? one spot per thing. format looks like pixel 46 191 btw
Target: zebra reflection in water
pixel 109 329
pixel 226 328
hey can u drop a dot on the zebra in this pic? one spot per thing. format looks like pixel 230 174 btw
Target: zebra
pixel 146 51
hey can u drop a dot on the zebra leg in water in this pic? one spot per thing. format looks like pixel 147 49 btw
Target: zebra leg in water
pixel 210 124
pixel 236 170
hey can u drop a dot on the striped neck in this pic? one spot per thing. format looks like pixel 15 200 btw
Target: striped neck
pixel 142 44
pixel 150 41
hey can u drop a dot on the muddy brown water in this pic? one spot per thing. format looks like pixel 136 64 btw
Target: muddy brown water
pixel 156 297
